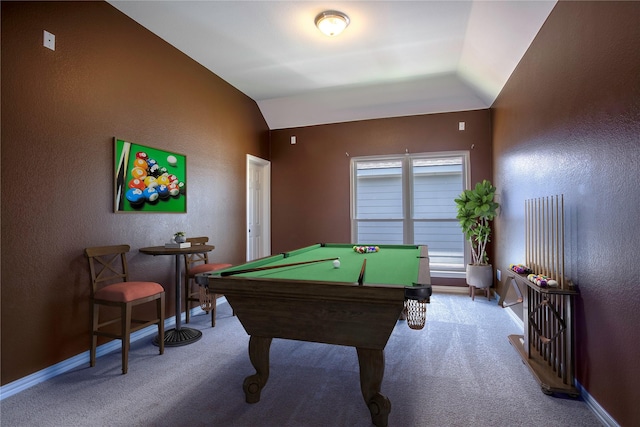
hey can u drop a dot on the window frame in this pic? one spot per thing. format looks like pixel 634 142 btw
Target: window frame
pixel 408 218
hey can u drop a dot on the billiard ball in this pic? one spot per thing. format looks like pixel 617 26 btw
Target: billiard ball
pixel 138 173
pixel 142 155
pixel 163 191
pixel 336 263
pixel 140 163
pixel 172 160
pixel 163 170
pixel 154 170
pixel 151 162
pixel 173 189
pixel 151 194
pixel 137 183
pixel 163 180
pixel 135 197
pixel 182 186
pixel 172 178
pixel 150 181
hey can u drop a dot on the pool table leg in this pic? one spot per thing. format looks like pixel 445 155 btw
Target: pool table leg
pixel 371 373
pixel 259 356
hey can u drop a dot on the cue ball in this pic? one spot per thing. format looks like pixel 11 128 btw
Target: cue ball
pixel 172 160
pixel 336 263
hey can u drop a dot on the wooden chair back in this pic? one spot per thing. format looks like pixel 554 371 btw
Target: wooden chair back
pixel 192 259
pixel 107 264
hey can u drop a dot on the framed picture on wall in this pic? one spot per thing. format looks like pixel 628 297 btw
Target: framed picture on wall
pixel 148 179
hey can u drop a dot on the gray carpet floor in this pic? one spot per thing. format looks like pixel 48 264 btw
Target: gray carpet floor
pixel 460 370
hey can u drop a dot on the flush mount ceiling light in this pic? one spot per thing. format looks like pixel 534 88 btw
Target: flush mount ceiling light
pixel 332 22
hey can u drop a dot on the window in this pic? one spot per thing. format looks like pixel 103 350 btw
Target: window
pixel 408 199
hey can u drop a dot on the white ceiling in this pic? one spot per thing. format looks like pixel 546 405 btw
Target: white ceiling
pixel 396 58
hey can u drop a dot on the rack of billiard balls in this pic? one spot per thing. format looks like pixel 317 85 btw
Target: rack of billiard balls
pixel 366 249
pixel 151 182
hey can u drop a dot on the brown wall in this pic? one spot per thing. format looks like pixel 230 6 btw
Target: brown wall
pixel 568 122
pixel 60 112
pixel 310 180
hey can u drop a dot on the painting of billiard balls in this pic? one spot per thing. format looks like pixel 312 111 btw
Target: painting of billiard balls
pixel 148 179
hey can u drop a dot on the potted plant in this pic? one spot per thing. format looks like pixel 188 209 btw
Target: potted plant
pixel 179 237
pixel 476 210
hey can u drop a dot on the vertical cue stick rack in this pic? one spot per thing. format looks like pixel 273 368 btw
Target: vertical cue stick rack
pixel 547 344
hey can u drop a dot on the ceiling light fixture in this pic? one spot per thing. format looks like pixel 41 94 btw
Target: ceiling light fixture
pixel 332 22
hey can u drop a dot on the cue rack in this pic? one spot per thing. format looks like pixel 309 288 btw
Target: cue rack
pixel 547 344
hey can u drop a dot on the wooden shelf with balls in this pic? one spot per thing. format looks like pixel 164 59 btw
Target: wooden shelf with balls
pixel 149 179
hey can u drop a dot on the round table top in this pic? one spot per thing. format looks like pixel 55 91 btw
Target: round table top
pixel 161 250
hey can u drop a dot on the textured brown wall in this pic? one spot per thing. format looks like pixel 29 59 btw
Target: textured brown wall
pixel 60 111
pixel 568 122
pixel 310 180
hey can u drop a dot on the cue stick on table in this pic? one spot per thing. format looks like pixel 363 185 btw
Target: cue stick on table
pixel 361 277
pixel 271 267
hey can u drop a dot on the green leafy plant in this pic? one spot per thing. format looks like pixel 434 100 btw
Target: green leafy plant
pixel 476 210
pixel 179 233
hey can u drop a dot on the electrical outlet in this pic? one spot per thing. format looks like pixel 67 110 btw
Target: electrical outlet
pixel 49 40
pixel 498 275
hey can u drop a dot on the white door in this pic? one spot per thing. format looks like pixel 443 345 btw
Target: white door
pixel 258 207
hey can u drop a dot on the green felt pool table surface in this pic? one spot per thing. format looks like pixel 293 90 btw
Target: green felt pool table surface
pixel 391 265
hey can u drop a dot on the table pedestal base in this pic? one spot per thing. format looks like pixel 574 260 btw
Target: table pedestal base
pixel 178 337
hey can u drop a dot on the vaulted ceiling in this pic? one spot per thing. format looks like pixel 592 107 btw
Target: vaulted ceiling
pixel 396 58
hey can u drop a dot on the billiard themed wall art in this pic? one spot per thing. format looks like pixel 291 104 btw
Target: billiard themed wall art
pixel 148 179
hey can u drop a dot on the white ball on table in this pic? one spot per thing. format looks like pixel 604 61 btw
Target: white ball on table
pixel 336 263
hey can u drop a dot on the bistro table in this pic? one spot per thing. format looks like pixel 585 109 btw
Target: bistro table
pixel 179 335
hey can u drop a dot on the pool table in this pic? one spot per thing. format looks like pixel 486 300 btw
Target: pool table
pixel 301 295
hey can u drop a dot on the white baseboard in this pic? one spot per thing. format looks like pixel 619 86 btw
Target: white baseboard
pixel 595 407
pixel 43 375
pixel 450 289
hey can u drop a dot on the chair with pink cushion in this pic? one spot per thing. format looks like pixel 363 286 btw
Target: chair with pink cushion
pixel 196 264
pixel 110 286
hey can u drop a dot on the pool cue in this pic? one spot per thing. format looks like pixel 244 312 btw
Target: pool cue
pixel 361 277
pixel 271 267
pixel 121 173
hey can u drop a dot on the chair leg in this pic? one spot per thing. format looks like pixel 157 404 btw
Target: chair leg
pixel 160 311
pixel 94 338
pixel 213 310
pixel 126 333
